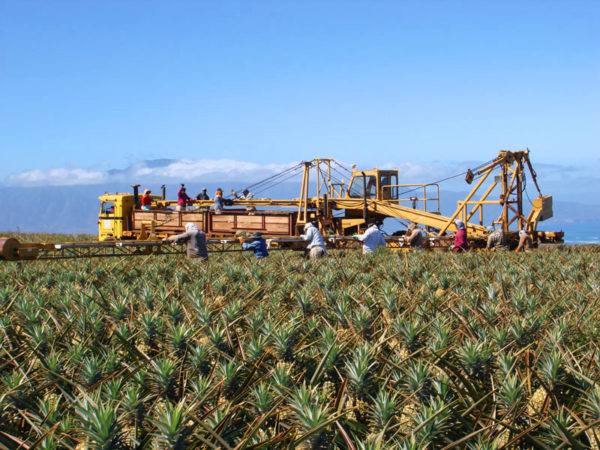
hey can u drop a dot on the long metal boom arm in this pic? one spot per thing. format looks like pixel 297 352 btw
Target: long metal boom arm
pixel 402 212
pixel 13 250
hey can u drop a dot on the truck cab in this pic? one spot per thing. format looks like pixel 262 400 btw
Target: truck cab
pixel 115 215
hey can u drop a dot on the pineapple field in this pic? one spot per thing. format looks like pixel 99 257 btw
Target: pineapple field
pixel 390 350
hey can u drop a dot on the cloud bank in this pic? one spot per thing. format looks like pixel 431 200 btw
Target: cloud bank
pixel 164 170
pixel 567 183
pixel 200 170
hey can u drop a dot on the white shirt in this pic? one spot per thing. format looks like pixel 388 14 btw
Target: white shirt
pixel 314 237
pixel 372 239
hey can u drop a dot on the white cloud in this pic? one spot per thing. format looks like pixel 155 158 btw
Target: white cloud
pixel 56 177
pixel 562 182
pixel 205 170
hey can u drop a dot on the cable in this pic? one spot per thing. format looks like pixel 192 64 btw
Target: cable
pixel 294 168
pixel 276 184
pixel 525 188
pixel 270 180
pixel 343 167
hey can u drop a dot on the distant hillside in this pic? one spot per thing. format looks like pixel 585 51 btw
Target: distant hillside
pixel 74 209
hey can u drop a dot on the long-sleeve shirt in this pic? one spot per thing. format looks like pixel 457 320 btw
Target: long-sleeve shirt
pixel 259 247
pixel 218 203
pixel 314 237
pixel 182 197
pixel 372 239
pixel 496 240
pixel 146 200
pixel 196 243
pixel 415 238
pixel 460 241
pixel 525 243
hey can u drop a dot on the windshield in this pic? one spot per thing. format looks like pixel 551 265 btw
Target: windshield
pixel 356 188
pixel 107 208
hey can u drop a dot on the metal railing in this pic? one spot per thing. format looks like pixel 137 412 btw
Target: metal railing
pixel 426 196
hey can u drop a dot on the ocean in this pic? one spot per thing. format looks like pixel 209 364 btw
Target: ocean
pixel 578 232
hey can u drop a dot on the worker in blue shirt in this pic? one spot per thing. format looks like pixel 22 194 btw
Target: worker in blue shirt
pixel 258 245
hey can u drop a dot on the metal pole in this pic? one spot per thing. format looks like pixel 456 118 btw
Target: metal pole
pixel 365 209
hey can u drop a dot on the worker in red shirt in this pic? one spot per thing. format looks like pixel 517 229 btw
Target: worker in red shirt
pixel 146 200
pixel 182 199
pixel 460 238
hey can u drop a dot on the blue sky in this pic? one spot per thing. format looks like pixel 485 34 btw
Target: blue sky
pixel 91 86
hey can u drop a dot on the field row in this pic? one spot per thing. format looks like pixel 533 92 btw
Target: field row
pixel 382 351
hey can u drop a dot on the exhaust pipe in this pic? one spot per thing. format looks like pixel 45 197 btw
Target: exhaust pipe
pixel 136 195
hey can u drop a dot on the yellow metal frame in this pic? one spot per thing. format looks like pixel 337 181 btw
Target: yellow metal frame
pixel 330 196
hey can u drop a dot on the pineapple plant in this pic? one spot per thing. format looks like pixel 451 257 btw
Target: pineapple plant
pixel 361 350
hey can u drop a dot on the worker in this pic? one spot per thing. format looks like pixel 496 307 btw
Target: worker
pixel 219 201
pixel 460 238
pixel 316 244
pixel 195 239
pixel 496 239
pixel 146 200
pixel 372 238
pixel 525 242
pixel 202 195
pixel 182 199
pixel 258 245
pixel 413 237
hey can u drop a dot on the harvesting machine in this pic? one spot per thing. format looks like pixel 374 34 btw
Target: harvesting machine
pixel 341 210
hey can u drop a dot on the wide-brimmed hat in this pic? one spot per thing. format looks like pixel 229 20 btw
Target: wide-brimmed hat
pixel 257 234
pixel 147 191
pixel 490 229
